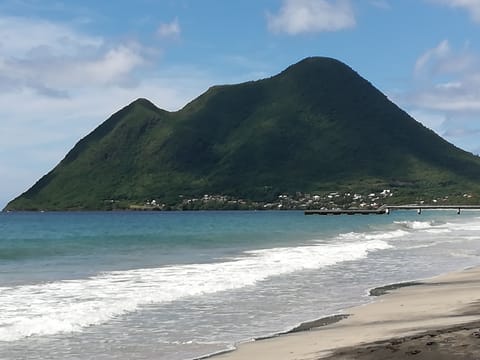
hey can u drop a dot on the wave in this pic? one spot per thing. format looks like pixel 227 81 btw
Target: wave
pixel 470 226
pixel 438 231
pixel 71 305
pixel 385 235
pixel 415 225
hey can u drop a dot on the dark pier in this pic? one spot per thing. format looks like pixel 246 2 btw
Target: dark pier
pixel 379 211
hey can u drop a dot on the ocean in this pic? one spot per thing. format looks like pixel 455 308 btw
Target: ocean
pixel 180 285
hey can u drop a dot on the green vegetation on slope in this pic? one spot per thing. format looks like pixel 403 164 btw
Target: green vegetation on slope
pixel 317 126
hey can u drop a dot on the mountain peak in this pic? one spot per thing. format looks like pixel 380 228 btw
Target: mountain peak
pixel 318 125
pixel 318 64
pixel 144 103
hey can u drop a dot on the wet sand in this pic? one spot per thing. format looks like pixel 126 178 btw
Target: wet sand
pixel 438 318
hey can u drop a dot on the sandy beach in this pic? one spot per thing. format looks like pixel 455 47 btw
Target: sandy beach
pixel 439 318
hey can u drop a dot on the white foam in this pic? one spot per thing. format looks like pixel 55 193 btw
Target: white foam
pixel 421 246
pixel 415 225
pixel 385 235
pixel 464 226
pixel 438 231
pixel 71 305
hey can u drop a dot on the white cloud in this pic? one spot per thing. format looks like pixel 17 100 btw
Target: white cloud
pixel 447 80
pixel 431 119
pixel 20 37
pixel 445 93
pixel 115 64
pixel 443 60
pixel 309 16
pixel 438 52
pixel 450 101
pixel 471 6
pixel 169 30
pixel 54 58
pixel 381 4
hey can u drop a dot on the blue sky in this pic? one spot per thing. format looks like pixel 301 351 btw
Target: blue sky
pixel 65 66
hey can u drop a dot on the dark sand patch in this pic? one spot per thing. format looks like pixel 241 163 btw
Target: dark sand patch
pixel 455 343
pixel 382 290
pixel 309 325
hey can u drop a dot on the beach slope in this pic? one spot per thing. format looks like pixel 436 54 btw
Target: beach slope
pixel 437 319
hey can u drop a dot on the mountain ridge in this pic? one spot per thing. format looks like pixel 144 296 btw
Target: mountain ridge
pixel 314 126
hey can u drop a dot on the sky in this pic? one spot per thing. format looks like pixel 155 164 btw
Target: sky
pixel 66 66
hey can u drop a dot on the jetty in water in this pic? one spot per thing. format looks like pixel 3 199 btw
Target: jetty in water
pixel 386 209
pixel 378 211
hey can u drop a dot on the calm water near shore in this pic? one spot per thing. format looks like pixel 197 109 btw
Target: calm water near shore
pixel 180 285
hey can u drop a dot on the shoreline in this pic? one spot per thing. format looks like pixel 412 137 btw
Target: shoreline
pixel 315 323
pixel 303 326
pixel 400 313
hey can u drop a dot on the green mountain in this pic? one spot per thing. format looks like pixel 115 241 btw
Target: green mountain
pixel 316 126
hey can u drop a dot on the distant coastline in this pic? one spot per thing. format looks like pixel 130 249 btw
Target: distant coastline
pixel 370 200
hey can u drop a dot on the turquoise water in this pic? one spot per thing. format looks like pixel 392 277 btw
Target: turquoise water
pixel 51 246
pixel 178 285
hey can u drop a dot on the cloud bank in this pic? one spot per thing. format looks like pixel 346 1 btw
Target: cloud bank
pixel 445 93
pixel 311 16
pixel 471 6
pixel 52 58
pixel 448 79
pixel 170 30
